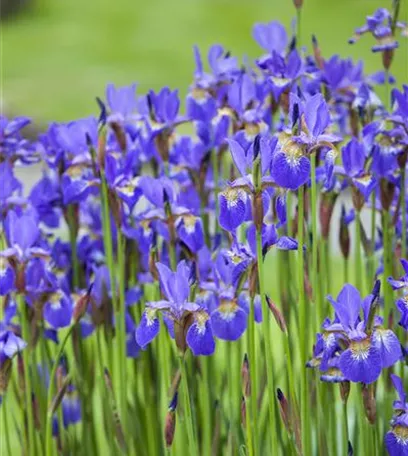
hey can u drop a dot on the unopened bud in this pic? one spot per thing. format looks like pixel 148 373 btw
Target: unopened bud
pixel 298 3
pixel 350 450
pixel 5 374
pixel 344 235
pixel 258 211
pixel 387 190
pixel 170 424
pixel 101 151
pixel 370 407
pixel 62 389
pixel 279 318
pixel 284 409
pixel 81 306
pixel 387 57
pixel 344 391
pixel 246 377
pixel 119 134
pixel 326 212
pixel 243 412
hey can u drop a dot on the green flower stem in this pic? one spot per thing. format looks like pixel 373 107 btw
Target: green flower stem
pixel 371 260
pixel 315 277
pixel 268 352
pixel 192 442
pixel 120 319
pixel 358 260
pixel 346 437
pixel 404 213
pixel 302 326
pixel 248 427
pixel 4 428
pixel 25 332
pixel 205 395
pixel 345 270
pixel 253 371
pixel 387 258
pixel 214 159
pixel 50 394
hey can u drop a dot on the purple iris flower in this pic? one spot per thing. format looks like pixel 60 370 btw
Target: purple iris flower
pixel 12 144
pixel 9 184
pixel 355 346
pixel 396 440
pixel 58 310
pixel 10 345
pixel 402 302
pixel 379 25
pixel 176 288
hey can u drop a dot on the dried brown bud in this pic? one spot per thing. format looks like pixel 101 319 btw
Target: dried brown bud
pixel 81 306
pixel 170 423
pixel 62 389
pixel 243 412
pixel 181 328
pixel 5 374
pixel 253 280
pixel 387 190
pixel 101 151
pixel 327 203
pixel 280 319
pixel 258 211
pixel 119 134
pixel 298 3
pixel 368 392
pixel 358 198
pixel 284 410
pixel 387 57
pixel 344 238
pixel 246 379
pixel 344 391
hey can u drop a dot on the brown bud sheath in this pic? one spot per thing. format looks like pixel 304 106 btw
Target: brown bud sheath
pixel 370 407
pixel 344 238
pixel 81 307
pixel 62 389
pixel 326 212
pixel 358 198
pixel 119 134
pixel 298 3
pixel 387 57
pixel 387 190
pixel 243 412
pixel 258 211
pixel 5 374
pixel 246 379
pixel 101 151
pixel 170 423
pixel 344 391
pixel 280 319
pixel 284 410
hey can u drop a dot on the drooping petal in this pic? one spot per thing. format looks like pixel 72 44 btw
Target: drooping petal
pixel 229 321
pixel 58 310
pixel 361 362
pixel 232 208
pixel 388 345
pixel 200 337
pixel 13 345
pixel 148 328
pixel 290 171
pixel 7 278
pixel 396 442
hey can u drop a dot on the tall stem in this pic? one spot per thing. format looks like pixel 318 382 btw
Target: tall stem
pixel 359 265
pixel 403 213
pixel 387 258
pixel 253 371
pixel 214 159
pixel 120 319
pixel 187 409
pixel 268 355
pixel 48 429
pixel 315 277
pixel 302 323
pixel 25 330
pixel 76 278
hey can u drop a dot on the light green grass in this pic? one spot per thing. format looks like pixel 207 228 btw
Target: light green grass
pixel 60 55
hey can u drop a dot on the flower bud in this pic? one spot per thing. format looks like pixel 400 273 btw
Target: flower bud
pixel 246 377
pixel 243 412
pixel 326 212
pixel 284 409
pixel 344 391
pixel 5 374
pixel 279 318
pixel 101 150
pixel 258 211
pixel 298 3
pixel 170 423
pixel 119 134
pixel 387 57
pixel 370 407
pixel 81 306
pixel 387 190
pixel 344 235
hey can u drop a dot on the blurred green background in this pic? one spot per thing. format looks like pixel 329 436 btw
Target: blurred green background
pixel 59 54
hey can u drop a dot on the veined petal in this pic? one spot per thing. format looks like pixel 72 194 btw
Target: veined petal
pixel 290 170
pixel 388 345
pixel 58 310
pixel 148 328
pixel 396 441
pixel 229 321
pixel 361 362
pixel 7 277
pixel 232 208
pixel 199 336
